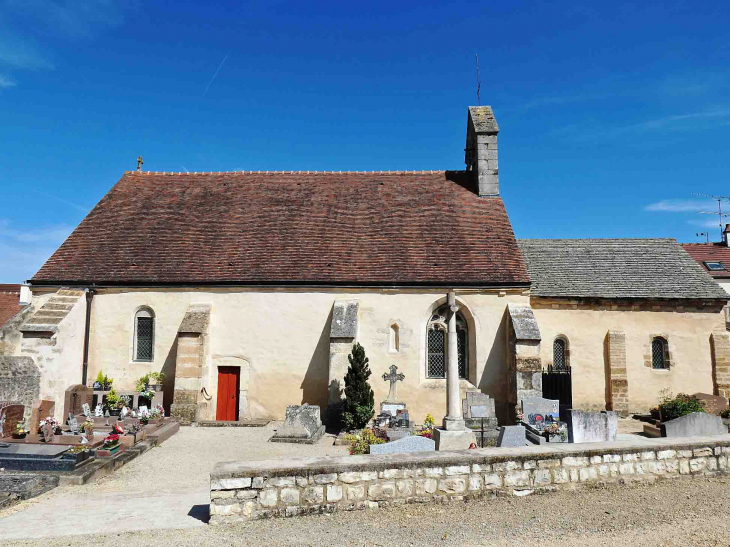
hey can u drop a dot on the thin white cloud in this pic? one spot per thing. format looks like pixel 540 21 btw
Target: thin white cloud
pixel 6 82
pixel 23 252
pixel 71 204
pixel 679 205
pixel 53 234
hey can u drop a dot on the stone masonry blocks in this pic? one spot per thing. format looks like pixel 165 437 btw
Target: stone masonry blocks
pixel 302 487
pixel 617 395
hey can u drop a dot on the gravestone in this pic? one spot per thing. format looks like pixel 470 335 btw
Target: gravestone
pixel 483 403
pixel 697 424
pixel 10 415
pixel 512 435
pixel 714 404
pixel 75 397
pixel 87 410
pixel 301 425
pixel 402 446
pixel 40 411
pixel 478 411
pixel 591 427
pixel 538 412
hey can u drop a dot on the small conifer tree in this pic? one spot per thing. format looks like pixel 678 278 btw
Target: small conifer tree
pixel 359 398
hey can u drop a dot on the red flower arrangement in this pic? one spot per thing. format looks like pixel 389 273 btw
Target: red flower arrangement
pixel 111 441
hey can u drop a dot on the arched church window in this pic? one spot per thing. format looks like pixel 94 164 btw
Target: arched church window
pixel 437 344
pixel 144 335
pixel 659 358
pixel 560 354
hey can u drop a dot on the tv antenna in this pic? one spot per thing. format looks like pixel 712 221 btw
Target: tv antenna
pixel 706 234
pixel 719 212
pixel 479 83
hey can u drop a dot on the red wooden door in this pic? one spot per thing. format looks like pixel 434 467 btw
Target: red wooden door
pixel 228 378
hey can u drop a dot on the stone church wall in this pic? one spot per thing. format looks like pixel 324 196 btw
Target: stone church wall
pixel 281 341
pixel 586 326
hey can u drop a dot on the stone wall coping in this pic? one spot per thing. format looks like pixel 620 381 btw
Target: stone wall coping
pixel 342 464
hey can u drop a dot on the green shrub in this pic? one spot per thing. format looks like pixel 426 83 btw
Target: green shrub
pixel 360 442
pixel 681 405
pixel 359 405
pixel 725 414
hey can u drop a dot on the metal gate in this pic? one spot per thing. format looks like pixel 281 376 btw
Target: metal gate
pixel 557 384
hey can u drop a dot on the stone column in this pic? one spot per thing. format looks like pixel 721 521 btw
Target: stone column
pixel 453 419
pixel 187 406
pixel 617 385
pixel 720 346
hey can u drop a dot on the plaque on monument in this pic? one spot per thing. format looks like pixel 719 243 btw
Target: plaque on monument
pixel 391 408
pixel 539 412
pixel 87 410
pixel 479 411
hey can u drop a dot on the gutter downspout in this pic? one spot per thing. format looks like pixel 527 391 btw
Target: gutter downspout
pixel 85 370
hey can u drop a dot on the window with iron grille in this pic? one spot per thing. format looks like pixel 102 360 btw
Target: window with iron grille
pixel 659 354
pixel 559 358
pixel 437 345
pixel 144 336
pixel 436 353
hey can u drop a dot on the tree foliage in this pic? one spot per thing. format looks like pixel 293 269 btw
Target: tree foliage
pixel 359 404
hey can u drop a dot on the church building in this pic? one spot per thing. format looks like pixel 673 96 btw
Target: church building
pixel 248 290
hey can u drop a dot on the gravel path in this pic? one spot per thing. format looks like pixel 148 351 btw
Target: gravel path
pixel 153 493
pixel 684 512
pixel 183 463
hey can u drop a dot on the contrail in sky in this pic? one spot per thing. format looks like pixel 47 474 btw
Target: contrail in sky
pixel 214 75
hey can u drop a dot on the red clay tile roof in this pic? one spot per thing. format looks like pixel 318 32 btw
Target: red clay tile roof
pixel 710 252
pixel 413 228
pixel 9 297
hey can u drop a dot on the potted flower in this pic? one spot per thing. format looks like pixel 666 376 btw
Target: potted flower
pixel 103 382
pixel 114 403
pixel 156 379
pixel 725 415
pixel 19 431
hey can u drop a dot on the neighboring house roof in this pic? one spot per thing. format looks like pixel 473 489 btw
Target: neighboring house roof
pixel 279 228
pixel 615 268
pixel 710 252
pixel 9 298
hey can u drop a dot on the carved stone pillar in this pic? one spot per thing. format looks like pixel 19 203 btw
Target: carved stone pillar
pixel 453 419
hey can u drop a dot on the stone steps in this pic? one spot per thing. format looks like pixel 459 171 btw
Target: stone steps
pixel 47 318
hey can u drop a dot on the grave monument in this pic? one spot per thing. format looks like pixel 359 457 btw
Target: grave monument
pixel 392 405
pixel 75 398
pixel 301 425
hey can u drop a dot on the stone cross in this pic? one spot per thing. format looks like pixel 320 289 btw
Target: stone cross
pixel 393 377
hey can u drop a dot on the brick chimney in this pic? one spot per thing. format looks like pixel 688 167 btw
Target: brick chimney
pixel 481 150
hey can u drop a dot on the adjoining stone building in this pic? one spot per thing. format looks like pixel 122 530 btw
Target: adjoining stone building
pixel 248 289
pixel 631 317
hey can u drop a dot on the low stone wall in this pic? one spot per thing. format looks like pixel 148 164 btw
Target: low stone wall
pixel 279 488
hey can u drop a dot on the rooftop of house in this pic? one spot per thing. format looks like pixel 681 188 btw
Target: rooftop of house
pixel 616 268
pixel 382 228
pixel 9 306
pixel 711 253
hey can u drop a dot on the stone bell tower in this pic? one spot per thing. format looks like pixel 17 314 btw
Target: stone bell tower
pixel 480 154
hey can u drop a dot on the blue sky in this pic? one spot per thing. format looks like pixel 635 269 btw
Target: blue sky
pixel 613 115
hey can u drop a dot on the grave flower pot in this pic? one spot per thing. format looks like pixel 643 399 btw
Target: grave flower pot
pixel 115 411
pixel 726 421
pixel 19 435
